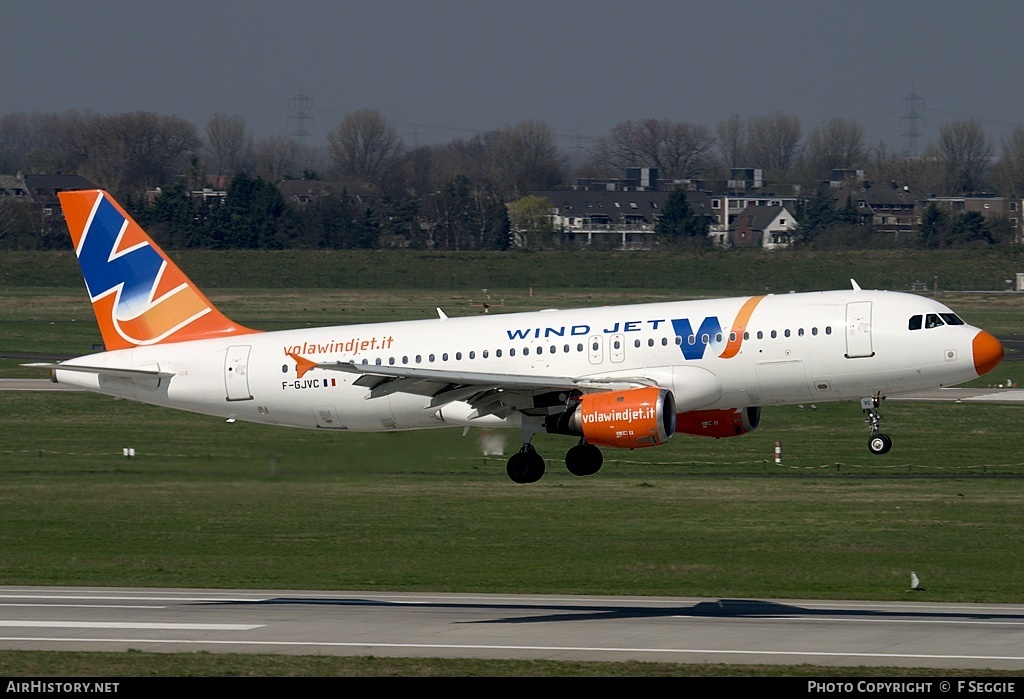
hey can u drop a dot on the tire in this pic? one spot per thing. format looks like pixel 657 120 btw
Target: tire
pixel 879 444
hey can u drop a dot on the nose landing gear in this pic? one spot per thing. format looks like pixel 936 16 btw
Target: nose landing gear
pixel 878 443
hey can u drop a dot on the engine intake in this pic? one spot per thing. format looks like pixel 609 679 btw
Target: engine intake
pixel 638 417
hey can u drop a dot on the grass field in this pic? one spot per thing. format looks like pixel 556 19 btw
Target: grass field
pixel 715 272
pixel 207 504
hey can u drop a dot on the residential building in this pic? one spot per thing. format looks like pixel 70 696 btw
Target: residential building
pixel 725 208
pixel 768 227
pixel 991 207
pixel 887 209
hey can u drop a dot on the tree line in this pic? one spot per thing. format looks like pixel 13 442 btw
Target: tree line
pixel 455 196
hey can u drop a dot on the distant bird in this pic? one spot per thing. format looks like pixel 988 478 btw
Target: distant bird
pixel 915 582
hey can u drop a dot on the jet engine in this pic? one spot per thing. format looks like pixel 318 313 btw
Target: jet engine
pixel 718 423
pixel 639 417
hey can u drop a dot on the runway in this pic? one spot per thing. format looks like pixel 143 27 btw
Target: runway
pixel 550 627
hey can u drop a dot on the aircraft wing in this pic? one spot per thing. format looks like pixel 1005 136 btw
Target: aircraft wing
pixel 488 393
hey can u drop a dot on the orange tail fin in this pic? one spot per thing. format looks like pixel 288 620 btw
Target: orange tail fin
pixel 139 295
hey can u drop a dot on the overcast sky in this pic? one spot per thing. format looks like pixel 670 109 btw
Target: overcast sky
pixel 446 69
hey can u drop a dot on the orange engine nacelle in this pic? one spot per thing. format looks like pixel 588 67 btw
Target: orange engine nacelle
pixel 639 417
pixel 718 423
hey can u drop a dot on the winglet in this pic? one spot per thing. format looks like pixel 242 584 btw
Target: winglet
pixel 302 365
pixel 139 296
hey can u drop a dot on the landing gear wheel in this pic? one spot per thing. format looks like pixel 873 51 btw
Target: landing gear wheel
pixel 584 459
pixel 879 444
pixel 526 466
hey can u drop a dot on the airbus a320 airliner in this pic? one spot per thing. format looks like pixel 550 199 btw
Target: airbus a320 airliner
pixel 621 376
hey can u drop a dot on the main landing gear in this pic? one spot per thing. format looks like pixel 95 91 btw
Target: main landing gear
pixel 878 443
pixel 584 459
pixel 527 466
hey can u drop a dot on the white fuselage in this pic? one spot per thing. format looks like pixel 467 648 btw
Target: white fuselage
pixel 820 346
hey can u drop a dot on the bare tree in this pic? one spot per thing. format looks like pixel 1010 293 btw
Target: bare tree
pixel 229 145
pixel 524 158
pixel 363 144
pixel 837 144
pixel 464 157
pixel 276 158
pixel 732 142
pixel 678 149
pixel 33 143
pixel 965 153
pixel 130 153
pixel 688 150
pixel 774 142
pixel 1008 173
pixel 901 171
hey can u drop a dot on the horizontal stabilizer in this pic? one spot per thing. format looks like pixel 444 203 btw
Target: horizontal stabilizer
pixel 105 370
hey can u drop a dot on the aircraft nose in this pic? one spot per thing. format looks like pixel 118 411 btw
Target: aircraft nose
pixel 988 352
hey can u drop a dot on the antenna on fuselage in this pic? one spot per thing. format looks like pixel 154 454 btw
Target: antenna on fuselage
pixel 856 286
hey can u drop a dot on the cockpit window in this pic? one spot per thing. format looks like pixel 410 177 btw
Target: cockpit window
pixel 932 320
pixel 915 322
pixel 952 319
